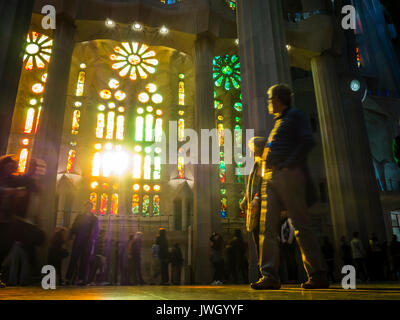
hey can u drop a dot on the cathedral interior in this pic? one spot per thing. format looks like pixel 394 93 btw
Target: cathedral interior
pixel 100 96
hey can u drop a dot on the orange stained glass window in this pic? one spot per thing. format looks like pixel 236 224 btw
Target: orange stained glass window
pixel 135 204
pixel 93 201
pixel 37 119
pixel 75 122
pixel 71 161
pixel 181 167
pixel 100 125
pixel 181 93
pixel 110 125
pixel 114 204
pixel 103 203
pixel 80 84
pixel 181 130
pixel 30 115
pixel 120 127
pixel 156 205
pixel 221 133
pixel 23 160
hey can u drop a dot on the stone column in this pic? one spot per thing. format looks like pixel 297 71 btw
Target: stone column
pixel 48 139
pixel 205 212
pixel 353 194
pixel 263 58
pixel 15 18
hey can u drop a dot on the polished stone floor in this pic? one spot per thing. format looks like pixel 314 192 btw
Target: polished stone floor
pixel 387 291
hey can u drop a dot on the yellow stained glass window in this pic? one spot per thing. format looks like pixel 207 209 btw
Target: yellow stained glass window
pixel 103 203
pixel 110 125
pixel 93 202
pixel 23 160
pixel 75 122
pixel 80 84
pixel 120 127
pixel 221 133
pixel 181 167
pixel 158 131
pixel 156 205
pixel 181 130
pixel 157 168
pixel 38 119
pixel 30 115
pixel 135 204
pixel 181 93
pixel 114 204
pixel 71 160
pixel 145 205
pixel 100 126
pixel 139 129
pixel 149 127
pixel 96 164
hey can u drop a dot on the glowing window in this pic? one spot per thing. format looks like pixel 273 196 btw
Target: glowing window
pixel 157 188
pixel 38 51
pixel 71 161
pixel 93 201
pixel 37 119
pixel 105 94
pixel 135 204
pixel 110 125
pixel 80 84
pixel 75 122
pixel 145 206
pixel 224 206
pixel 221 133
pixel 96 164
pixel 147 168
pixel 114 204
pixel 108 163
pixel 100 125
pixel 157 168
pixel 137 166
pixel 143 97
pixel 149 127
pixel 120 95
pixel 238 136
pixel 151 87
pixel 181 93
pixel 181 167
pixel 103 203
pixel 156 205
pixel 136 187
pixel 146 188
pixel 238 106
pixel 23 160
pixel 222 170
pixel 120 128
pixel 181 130
pixel 139 129
pixel 226 71
pixel 113 84
pixel 157 98
pixel 218 104
pixel 94 184
pixel 29 120
pixel 158 130
pixel 37 88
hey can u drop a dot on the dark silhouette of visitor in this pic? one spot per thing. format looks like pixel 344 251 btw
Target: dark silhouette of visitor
pixel 358 254
pixel 84 232
pixel 58 252
pixel 163 255
pixel 136 254
pixel 176 264
pixel 217 259
pixel 345 252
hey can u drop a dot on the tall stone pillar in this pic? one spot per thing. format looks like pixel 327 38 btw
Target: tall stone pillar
pixel 15 18
pixel 263 58
pixel 205 213
pixel 353 194
pixel 48 138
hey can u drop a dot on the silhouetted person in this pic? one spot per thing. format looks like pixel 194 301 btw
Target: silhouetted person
pixel 394 250
pixel 155 264
pixel 97 265
pixel 328 253
pixel 84 232
pixel 58 252
pixel 375 259
pixel 136 254
pixel 176 264
pixel 217 258
pixel 163 255
pixel 345 251
pixel 287 247
pixel 358 253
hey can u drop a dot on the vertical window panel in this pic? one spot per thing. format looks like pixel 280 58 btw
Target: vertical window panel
pixel 238 136
pixel 30 115
pixel 107 163
pixel 157 168
pixel 75 122
pixel 222 170
pixel 38 119
pixel 114 204
pixel 120 127
pixel 181 167
pixel 137 166
pixel 100 126
pixel 147 168
pixel 110 125
pixel 181 130
pixel 156 205
pixel 145 206
pixel 221 134
pixel 93 202
pixel 96 164
pixel 23 160
pixel 71 161
pixel 81 84
pixel 135 204
pixel 139 129
pixel 149 128
pixel 158 131
pixel 103 204
pixel 181 93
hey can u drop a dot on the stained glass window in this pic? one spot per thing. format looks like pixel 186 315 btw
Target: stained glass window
pixel 75 122
pixel 135 204
pixel 120 127
pixel 80 84
pixel 222 171
pixel 181 167
pixel 23 159
pixel 29 120
pixel 226 71
pixel 110 125
pixel 37 51
pixel 147 168
pixel 156 205
pixel 181 130
pixel 220 128
pixel 139 129
pixel 103 203
pixel 181 93
pixel 238 136
pixel 134 59
pixel 157 168
pixel 114 204
pixel 158 131
pixel 96 164
pixel 93 202
pixel 149 128
pixel 137 166
pixel 100 126
pixel 145 205
pixel 71 161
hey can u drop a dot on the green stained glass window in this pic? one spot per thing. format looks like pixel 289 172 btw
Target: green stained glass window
pixel 218 104
pixel 226 71
pixel 238 106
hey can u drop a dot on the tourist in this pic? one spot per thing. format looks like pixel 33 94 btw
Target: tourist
pixel 217 259
pixel 358 254
pixel 345 250
pixel 176 264
pixel 285 185
pixel 84 232
pixel 136 254
pixel 155 264
pixel 163 255
pixel 58 252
